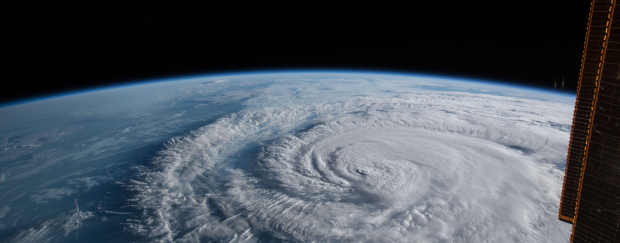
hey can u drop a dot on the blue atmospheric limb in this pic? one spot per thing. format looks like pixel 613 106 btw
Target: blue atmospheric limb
pixel 292 71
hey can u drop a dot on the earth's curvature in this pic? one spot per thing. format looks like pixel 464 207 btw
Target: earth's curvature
pixel 287 156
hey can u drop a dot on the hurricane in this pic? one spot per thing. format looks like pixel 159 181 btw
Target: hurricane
pixel 421 166
pixel 303 156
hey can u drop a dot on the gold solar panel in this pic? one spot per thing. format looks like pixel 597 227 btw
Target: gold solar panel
pixel 591 191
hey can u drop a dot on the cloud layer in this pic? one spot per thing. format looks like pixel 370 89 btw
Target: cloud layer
pixel 428 167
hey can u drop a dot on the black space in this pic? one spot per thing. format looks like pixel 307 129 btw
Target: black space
pixel 50 47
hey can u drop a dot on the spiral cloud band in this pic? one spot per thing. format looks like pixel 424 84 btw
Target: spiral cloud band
pixel 419 167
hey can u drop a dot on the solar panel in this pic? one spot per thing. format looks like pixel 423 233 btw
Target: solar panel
pixel 591 191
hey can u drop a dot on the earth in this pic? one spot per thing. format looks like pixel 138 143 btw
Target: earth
pixel 287 157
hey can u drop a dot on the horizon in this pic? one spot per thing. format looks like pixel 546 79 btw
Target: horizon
pixel 139 82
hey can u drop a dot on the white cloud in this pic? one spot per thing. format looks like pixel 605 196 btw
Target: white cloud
pixel 47 230
pixel 89 182
pixel 52 193
pixel 426 166
pixel 4 210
